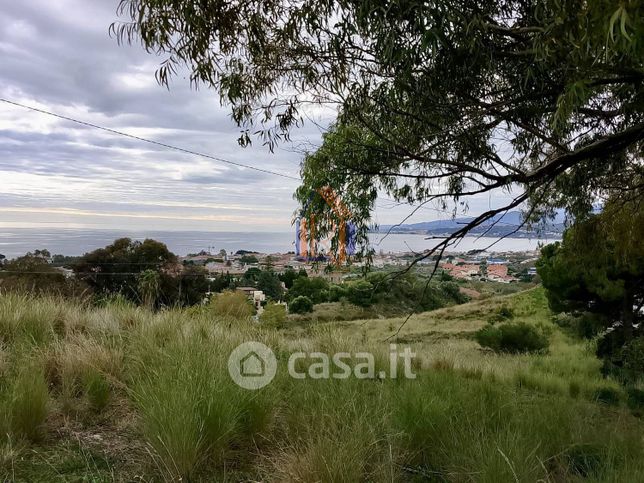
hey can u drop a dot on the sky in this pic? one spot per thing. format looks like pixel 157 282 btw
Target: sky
pixel 58 56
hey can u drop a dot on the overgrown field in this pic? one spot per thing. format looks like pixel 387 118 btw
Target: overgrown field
pixel 119 393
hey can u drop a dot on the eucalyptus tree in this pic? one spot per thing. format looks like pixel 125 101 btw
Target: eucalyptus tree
pixel 435 100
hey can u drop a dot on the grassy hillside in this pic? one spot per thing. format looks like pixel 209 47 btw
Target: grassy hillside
pixel 119 393
pixel 444 338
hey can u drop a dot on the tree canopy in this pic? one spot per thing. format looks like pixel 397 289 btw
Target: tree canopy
pixel 435 101
pixel 115 268
pixel 32 273
pixel 598 269
pixel 145 272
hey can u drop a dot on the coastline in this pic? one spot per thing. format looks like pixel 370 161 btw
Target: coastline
pixel 73 242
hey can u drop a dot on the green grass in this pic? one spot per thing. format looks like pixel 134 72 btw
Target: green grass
pixel 116 393
pixel 191 411
pixel 26 402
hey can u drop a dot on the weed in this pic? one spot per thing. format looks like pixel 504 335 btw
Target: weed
pixel 513 338
pixel 584 460
pixel 635 400
pixel 98 390
pixel 28 402
pixel 231 304
pixel 607 395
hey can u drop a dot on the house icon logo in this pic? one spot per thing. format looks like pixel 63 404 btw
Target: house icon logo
pixel 252 365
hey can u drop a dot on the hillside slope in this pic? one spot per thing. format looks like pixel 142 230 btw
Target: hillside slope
pixel 118 393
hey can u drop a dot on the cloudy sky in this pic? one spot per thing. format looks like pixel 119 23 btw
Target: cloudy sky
pixel 58 56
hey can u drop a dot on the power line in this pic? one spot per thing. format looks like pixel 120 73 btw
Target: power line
pixel 150 141
pixel 98 274
pixel 197 153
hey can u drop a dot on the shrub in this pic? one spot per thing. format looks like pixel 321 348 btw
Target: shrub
pixel 506 312
pixel 301 305
pixel 633 359
pixel 585 460
pixel 502 314
pixel 274 315
pixel 360 293
pixel 607 395
pixel 622 360
pixel 315 288
pixel 232 304
pixel 336 311
pixel 513 338
pixel 635 400
pixel 452 292
pixel 585 326
pixel 574 389
pixel 337 293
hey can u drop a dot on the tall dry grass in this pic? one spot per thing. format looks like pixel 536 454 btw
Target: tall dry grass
pixel 470 415
pixel 27 401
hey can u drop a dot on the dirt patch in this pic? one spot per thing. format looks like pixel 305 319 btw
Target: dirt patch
pixel 111 436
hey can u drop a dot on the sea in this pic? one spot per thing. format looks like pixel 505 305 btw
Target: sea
pixel 15 242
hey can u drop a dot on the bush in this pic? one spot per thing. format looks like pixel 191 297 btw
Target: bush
pixel 585 326
pixel 274 315
pixel 622 360
pixel 232 304
pixel 635 400
pixel 506 312
pixel 360 293
pixel 513 338
pixel 574 389
pixel 633 359
pixel 269 283
pixel 337 293
pixel 502 314
pixel 452 292
pixel 585 460
pixel 607 395
pixel 315 288
pixel 301 305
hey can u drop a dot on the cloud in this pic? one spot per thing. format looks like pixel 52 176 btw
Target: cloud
pixel 57 55
pixel 233 176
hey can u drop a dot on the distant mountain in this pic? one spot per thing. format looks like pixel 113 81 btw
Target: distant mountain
pixel 500 225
